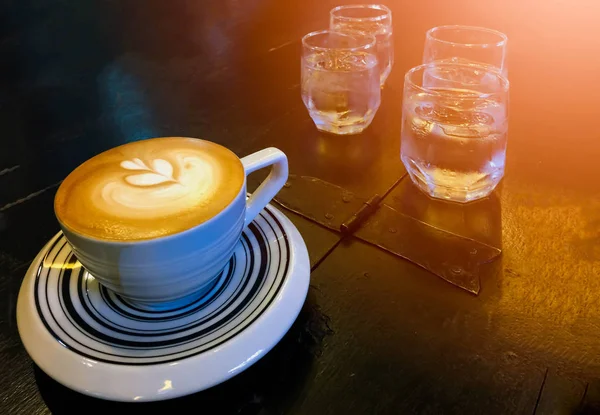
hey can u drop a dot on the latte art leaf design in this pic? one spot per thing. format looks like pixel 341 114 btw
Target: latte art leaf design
pixel 135 164
pixel 160 172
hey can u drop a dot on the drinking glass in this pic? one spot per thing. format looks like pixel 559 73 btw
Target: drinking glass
pixel 373 19
pixel 454 129
pixel 340 80
pixel 464 44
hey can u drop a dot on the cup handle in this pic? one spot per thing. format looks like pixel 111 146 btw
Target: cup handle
pixel 271 185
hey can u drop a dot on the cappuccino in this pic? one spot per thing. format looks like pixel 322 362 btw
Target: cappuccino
pixel 149 189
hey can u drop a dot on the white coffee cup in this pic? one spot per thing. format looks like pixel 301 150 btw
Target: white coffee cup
pixel 168 271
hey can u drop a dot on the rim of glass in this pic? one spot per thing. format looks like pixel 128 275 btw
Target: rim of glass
pixel 492 69
pixel 386 15
pixel 502 36
pixel 369 38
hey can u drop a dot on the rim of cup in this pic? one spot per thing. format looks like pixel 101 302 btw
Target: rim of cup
pixel 370 41
pixel 159 239
pixel 505 84
pixel 386 15
pixel 503 38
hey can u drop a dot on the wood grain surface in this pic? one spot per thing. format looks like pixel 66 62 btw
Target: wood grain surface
pixel 377 335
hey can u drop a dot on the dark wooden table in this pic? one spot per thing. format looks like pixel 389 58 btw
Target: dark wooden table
pixel 378 335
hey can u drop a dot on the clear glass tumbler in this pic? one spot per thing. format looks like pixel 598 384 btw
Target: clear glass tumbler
pixel 340 80
pixel 373 19
pixel 466 44
pixel 454 129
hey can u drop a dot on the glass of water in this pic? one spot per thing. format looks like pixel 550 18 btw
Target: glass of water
pixel 454 129
pixel 373 19
pixel 466 44
pixel 340 80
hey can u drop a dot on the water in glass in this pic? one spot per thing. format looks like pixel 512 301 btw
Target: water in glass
pixel 341 89
pixel 462 44
pixel 383 36
pixel 371 19
pixel 454 139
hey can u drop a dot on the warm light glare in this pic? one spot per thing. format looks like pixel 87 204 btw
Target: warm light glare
pixel 168 386
pixel 246 362
pixel 66 265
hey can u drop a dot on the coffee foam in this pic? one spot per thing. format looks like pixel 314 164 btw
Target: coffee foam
pixel 149 188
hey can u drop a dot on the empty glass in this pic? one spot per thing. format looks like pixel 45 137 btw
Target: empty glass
pixel 463 44
pixel 454 129
pixel 373 19
pixel 340 80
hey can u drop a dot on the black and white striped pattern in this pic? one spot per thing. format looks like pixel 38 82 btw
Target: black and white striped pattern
pixel 94 322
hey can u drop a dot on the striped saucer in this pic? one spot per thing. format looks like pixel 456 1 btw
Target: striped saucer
pixel 96 342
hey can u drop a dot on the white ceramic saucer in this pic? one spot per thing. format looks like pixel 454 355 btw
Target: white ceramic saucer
pixel 95 342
